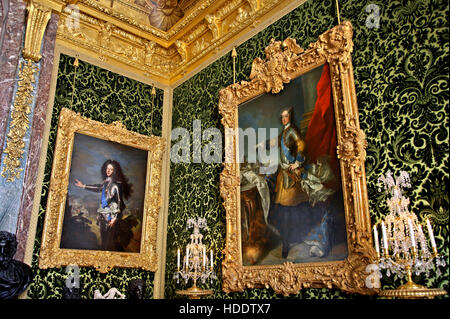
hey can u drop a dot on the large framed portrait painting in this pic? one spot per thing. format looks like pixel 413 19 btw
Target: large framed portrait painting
pixel 104 196
pixel 294 182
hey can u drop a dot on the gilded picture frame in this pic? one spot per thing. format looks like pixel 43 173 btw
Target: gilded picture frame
pixel 73 130
pixel 285 61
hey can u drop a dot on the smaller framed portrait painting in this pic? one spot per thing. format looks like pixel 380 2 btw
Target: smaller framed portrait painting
pixel 104 197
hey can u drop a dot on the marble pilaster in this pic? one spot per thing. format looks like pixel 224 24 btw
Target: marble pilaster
pixel 37 132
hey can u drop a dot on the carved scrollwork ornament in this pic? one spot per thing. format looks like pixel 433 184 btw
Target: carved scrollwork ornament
pixel 285 280
pixel 285 61
pixel 274 71
pixel 352 148
pixel 37 20
pixel 233 275
pixel 336 45
pixel 20 122
pixel 214 24
pixel 182 49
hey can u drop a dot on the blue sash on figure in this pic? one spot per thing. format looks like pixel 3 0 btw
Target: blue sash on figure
pixel 288 154
pixel 105 203
pixel 292 159
pixel 104 200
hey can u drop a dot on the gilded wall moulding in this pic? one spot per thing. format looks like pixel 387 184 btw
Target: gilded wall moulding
pixel 285 62
pixel 120 31
pixel 19 124
pixel 38 15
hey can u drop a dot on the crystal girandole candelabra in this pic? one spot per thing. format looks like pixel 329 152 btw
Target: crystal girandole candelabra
pixel 404 248
pixel 196 263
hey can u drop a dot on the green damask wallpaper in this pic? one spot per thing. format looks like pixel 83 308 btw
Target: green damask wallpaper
pixel 401 78
pixel 106 97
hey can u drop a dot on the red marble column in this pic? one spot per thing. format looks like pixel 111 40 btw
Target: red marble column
pixel 37 131
pixel 14 31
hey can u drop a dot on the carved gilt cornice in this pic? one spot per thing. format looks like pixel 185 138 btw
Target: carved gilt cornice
pixel 120 32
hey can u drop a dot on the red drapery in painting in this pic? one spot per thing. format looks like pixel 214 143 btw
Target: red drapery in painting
pixel 321 139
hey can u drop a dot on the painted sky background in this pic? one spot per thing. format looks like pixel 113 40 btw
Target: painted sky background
pixel 264 110
pixel 89 154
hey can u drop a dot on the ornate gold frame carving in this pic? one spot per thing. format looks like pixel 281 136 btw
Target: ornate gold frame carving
pixel 51 255
pixel 284 62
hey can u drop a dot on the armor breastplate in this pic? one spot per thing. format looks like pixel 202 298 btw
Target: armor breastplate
pixel 289 138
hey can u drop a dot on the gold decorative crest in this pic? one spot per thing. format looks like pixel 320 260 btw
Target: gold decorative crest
pixel 51 255
pixel 285 61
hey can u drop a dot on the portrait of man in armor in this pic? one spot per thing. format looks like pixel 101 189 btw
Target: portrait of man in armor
pixel 114 189
pixel 104 206
pixel 292 210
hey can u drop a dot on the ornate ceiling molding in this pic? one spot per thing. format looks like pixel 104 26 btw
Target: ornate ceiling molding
pixel 119 32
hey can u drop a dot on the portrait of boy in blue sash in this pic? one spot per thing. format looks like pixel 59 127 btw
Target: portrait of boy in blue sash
pixel 293 211
pixel 105 199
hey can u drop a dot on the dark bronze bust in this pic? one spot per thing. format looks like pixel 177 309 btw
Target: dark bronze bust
pixel 72 291
pixel 15 276
pixel 136 289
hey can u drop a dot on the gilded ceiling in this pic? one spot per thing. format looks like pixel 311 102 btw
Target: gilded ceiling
pixel 161 14
pixel 160 39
